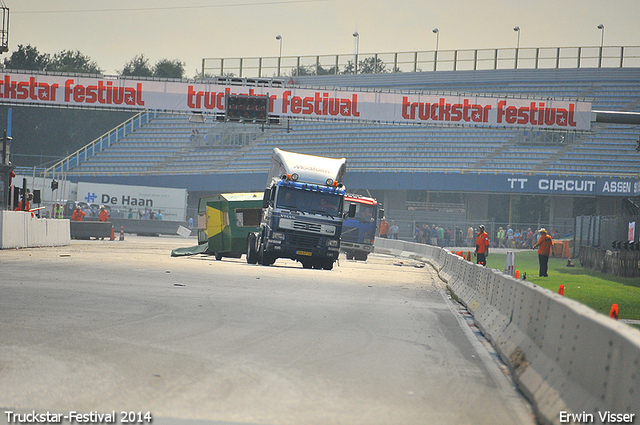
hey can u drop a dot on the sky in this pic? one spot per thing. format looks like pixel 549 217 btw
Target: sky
pixel 112 32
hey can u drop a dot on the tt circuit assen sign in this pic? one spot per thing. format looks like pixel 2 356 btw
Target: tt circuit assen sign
pixel 514 184
pixel 179 96
pixel 558 185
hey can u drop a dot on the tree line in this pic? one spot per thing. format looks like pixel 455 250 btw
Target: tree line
pixel 29 58
pixel 370 65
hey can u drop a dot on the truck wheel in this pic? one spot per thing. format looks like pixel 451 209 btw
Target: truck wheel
pixel 252 255
pixel 328 265
pixel 264 258
pixel 218 256
pixel 361 256
pixel 307 264
pixel 267 259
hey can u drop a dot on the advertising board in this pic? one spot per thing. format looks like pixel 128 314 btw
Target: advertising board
pixel 138 200
pixel 32 88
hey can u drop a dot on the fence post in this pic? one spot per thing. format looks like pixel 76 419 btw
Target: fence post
pixel 579 56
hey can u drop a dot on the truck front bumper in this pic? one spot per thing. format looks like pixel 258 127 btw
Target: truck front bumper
pixel 351 246
pixel 284 250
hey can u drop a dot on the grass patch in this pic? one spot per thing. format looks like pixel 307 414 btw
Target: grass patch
pixel 596 290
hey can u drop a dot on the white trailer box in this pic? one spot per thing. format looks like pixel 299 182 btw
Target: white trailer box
pixel 309 168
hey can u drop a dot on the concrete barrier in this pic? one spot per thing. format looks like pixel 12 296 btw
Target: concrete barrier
pixel 20 230
pixel 90 229
pixel 564 356
pixel 148 227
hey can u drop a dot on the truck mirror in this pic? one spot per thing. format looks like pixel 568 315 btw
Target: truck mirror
pixel 352 210
pixel 381 213
pixel 265 198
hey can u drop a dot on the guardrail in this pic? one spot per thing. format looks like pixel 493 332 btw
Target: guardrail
pixel 564 356
pixel 418 61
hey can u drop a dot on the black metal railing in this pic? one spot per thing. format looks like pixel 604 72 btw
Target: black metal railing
pixel 444 60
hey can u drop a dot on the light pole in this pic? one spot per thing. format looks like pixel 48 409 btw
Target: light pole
pixel 517 29
pixel 601 28
pixel 435 56
pixel 357 39
pixel 279 38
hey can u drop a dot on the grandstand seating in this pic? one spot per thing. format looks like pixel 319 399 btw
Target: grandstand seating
pixel 165 144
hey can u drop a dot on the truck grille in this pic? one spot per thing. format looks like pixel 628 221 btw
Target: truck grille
pixel 304 240
pixel 308 226
pixel 311 227
pixel 350 234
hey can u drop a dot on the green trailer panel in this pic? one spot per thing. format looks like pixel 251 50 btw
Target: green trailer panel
pixel 225 220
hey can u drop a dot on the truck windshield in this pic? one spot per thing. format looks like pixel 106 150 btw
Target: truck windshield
pixel 309 201
pixel 365 213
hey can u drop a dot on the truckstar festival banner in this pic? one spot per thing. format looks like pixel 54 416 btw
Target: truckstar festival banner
pixel 176 96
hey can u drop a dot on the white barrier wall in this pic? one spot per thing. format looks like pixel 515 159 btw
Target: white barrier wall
pixel 20 230
pixel 564 356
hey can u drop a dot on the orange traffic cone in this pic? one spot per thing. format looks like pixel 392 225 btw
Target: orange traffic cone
pixel 121 233
pixel 614 311
pixel 517 274
pixel 469 256
pixel 561 290
pixel 113 236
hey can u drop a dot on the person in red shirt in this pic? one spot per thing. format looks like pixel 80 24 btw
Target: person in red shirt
pixel 544 245
pixel 104 214
pixel 78 214
pixel 482 246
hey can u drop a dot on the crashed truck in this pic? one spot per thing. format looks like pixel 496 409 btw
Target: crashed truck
pixel 302 211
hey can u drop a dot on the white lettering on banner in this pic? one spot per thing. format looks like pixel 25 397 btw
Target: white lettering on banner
pixel 554 185
pixel 177 96
pixel 617 187
pixel 513 181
